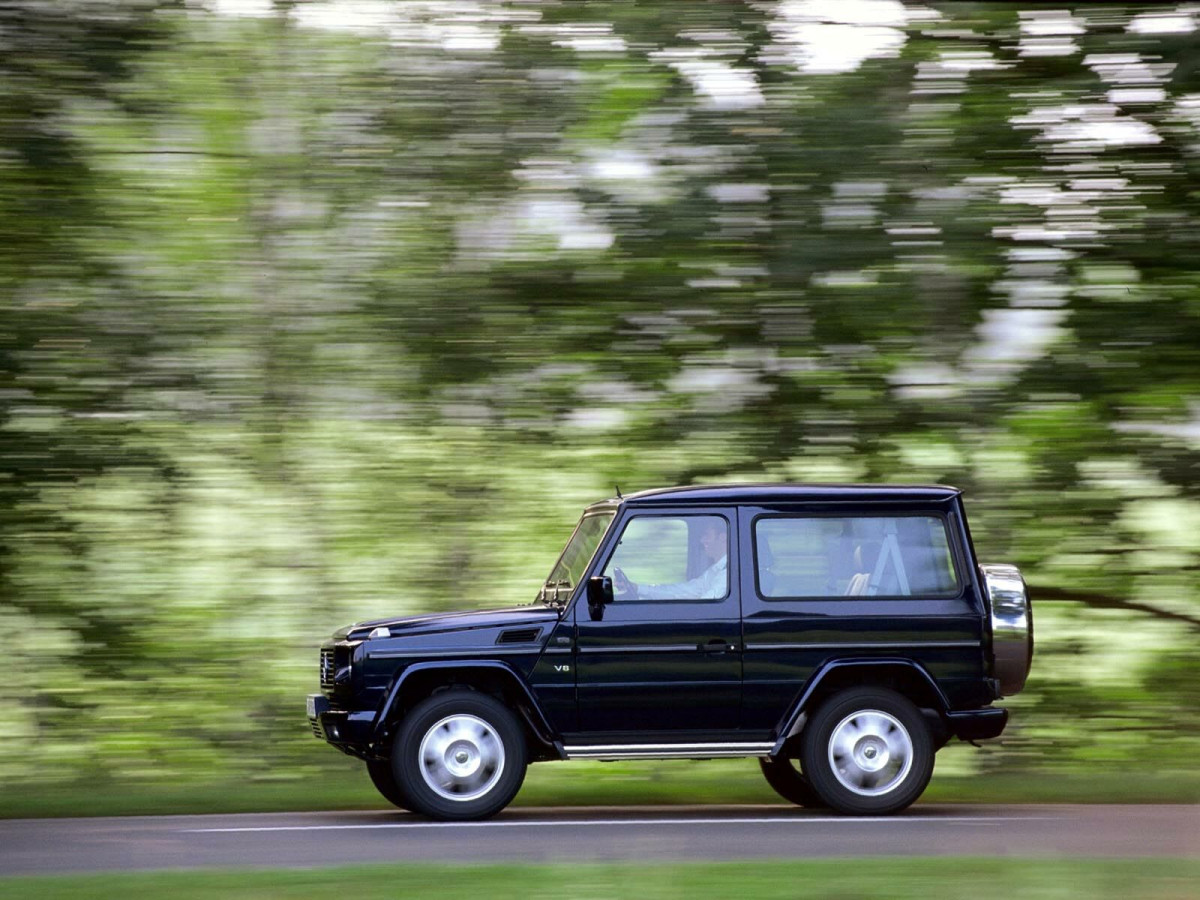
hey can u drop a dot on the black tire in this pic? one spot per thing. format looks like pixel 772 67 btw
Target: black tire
pixel 474 756
pixel 789 782
pixel 856 731
pixel 380 771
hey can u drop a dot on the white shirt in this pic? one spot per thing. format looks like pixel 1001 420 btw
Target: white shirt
pixel 710 584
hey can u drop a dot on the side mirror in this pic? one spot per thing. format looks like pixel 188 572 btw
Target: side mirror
pixel 599 595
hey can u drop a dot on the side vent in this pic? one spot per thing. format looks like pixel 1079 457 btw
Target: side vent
pixel 519 636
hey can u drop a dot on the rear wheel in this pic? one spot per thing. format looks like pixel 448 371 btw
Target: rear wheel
pixel 784 776
pixel 380 771
pixel 459 755
pixel 868 751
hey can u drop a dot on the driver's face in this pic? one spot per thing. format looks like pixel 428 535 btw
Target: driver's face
pixel 712 541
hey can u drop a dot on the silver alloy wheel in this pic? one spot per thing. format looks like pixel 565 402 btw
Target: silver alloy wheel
pixel 870 752
pixel 461 757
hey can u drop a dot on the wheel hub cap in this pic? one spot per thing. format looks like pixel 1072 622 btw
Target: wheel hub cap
pixel 461 757
pixel 870 752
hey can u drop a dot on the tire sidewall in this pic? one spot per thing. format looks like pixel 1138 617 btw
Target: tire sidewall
pixel 406 750
pixel 788 783
pixel 381 775
pixel 815 751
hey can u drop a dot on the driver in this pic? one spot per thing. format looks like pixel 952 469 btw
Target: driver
pixel 708 585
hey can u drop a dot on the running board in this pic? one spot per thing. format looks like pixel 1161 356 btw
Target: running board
pixel 667 751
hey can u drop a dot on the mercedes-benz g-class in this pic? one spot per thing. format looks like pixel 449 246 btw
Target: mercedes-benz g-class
pixel 840 634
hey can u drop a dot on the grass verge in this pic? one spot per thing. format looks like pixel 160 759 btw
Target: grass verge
pixel 920 879
pixel 573 784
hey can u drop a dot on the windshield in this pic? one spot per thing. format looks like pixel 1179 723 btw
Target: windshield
pixel 579 551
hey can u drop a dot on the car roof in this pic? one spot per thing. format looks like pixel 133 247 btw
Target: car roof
pixel 787 493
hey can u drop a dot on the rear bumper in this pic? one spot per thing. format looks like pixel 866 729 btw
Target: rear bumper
pixel 977 724
pixel 347 730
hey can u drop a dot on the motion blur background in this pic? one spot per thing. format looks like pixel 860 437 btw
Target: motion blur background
pixel 314 311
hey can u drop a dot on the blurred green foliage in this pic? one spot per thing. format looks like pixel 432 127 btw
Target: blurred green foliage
pixel 318 311
pixel 1094 879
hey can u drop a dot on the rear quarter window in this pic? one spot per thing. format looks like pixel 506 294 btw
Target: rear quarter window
pixel 873 556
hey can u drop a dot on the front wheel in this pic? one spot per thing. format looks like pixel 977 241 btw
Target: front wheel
pixel 459 755
pixel 385 782
pixel 867 751
pixel 789 782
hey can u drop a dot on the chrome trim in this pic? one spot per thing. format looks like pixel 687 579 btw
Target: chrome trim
pixel 690 647
pixel 724 750
pixel 1011 619
pixel 327 668
pixel 481 652
pixel 891 645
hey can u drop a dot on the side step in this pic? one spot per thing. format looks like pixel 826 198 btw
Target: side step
pixel 667 751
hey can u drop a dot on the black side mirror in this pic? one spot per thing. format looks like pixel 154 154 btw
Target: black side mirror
pixel 599 595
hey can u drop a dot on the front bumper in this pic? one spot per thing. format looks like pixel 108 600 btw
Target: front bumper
pixel 348 730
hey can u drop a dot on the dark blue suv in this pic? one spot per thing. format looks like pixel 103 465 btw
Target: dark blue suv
pixel 840 634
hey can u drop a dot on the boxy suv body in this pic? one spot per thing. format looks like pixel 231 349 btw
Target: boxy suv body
pixel 840 634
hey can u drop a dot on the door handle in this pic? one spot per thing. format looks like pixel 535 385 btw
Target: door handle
pixel 717 645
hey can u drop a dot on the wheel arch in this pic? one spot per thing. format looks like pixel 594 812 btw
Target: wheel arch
pixel 905 676
pixel 416 682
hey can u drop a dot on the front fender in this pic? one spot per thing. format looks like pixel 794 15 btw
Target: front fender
pixel 490 670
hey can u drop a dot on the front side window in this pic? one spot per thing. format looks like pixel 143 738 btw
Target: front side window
pixel 873 556
pixel 671 558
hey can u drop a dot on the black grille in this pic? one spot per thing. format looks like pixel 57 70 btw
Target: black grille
pixel 518 636
pixel 327 670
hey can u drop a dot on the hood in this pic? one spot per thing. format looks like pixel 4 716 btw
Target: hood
pixel 458 621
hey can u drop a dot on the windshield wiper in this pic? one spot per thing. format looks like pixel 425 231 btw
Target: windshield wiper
pixel 556 599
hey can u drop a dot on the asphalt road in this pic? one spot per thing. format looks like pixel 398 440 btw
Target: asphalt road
pixel 295 840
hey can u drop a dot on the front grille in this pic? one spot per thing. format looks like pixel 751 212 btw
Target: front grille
pixel 327 670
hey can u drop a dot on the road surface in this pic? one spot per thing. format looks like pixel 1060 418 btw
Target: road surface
pixel 295 840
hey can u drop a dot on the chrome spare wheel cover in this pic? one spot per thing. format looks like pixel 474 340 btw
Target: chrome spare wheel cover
pixel 870 752
pixel 1012 625
pixel 461 757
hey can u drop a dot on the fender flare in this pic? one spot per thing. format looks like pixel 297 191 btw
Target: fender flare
pixel 793 721
pixel 531 713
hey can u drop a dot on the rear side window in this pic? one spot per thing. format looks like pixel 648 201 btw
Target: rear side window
pixel 871 556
